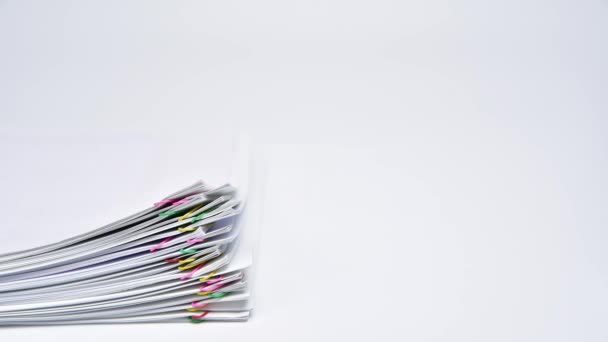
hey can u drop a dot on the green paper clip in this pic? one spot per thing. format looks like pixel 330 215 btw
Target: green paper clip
pixel 167 213
pixel 188 250
pixel 194 320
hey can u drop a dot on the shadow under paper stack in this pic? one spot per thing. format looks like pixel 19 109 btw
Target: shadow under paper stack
pixel 177 261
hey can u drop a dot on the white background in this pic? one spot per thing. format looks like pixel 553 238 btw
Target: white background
pixel 435 170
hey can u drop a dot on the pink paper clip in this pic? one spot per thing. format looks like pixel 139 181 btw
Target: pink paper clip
pixel 171 201
pixel 214 280
pixel 209 288
pixel 189 274
pixel 198 304
pixel 195 240
pixel 157 247
pixel 201 315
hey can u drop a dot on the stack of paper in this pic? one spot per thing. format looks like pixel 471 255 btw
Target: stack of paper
pixel 176 261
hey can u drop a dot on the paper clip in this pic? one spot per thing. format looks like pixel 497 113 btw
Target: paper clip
pixel 166 201
pixel 186 229
pixel 157 247
pixel 189 213
pixel 180 261
pixel 210 288
pixel 195 240
pixel 214 280
pixel 171 201
pixel 198 318
pixel 182 268
pixel 211 274
pixel 189 274
pixel 198 305
pixel 199 216
pixel 168 213
pixel 188 250
pixel 213 294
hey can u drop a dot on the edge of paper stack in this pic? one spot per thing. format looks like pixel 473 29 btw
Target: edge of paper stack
pixel 181 260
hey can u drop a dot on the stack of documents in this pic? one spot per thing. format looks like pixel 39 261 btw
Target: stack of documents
pixel 177 261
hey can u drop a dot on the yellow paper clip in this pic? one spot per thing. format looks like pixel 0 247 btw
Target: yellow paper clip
pixel 185 260
pixel 185 267
pixel 189 213
pixel 206 277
